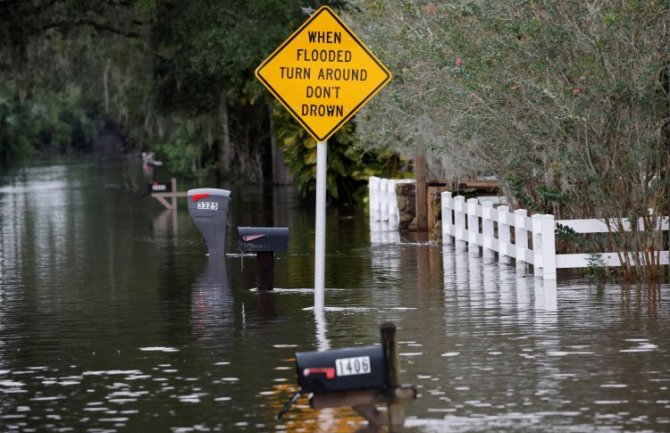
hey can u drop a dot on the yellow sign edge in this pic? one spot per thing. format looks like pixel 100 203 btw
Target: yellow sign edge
pixel 357 108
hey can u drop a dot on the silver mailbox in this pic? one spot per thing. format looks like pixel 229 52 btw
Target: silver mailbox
pixel 208 208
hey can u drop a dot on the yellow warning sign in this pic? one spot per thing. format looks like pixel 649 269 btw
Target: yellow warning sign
pixel 323 74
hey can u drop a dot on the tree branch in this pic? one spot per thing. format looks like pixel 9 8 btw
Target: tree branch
pixel 84 22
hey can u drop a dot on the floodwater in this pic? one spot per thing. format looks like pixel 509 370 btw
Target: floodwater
pixel 112 319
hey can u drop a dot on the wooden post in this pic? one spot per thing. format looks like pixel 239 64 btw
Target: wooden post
pixel 174 225
pixel 267 305
pixel 421 202
pixel 174 193
pixel 396 410
pixel 160 196
pixel 372 415
pixel 265 270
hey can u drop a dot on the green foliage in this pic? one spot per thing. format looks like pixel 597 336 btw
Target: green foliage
pixel 64 126
pixel 204 47
pixel 205 52
pixel 596 270
pixel 70 82
pixel 558 99
pixel 184 154
pixel 54 123
pixel 564 232
pixel 348 164
pixel 17 131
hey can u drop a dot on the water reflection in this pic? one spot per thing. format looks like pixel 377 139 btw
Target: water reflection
pixel 29 235
pixel 381 232
pixel 212 306
pixel 546 294
pixel 267 304
pixel 322 342
pixel 165 224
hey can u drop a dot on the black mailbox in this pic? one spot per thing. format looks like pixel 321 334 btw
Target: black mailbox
pixel 341 369
pixel 208 208
pixel 257 239
pixel 359 377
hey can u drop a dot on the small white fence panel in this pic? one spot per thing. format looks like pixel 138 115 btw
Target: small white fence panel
pixel 384 200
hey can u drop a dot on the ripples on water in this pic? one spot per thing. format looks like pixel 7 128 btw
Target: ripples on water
pixel 113 319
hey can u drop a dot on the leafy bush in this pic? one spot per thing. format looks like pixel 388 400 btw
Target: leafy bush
pixel 54 123
pixel 183 154
pixel 17 130
pixel 349 166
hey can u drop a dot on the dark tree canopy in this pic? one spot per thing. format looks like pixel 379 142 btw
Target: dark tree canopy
pixel 204 47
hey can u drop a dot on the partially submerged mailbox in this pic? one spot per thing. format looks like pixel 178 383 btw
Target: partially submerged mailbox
pixel 341 369
pixel 208 208
pixel 256 239
pixel 263 241
pixel 359 377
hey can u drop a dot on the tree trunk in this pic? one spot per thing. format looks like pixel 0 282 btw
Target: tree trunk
pixel 225 144
pixel 280 173
pixel 666 137
pixel 421 202
pixel 105 83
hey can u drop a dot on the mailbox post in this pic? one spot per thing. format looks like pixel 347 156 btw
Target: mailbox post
pixel 208 208
pixel 263 241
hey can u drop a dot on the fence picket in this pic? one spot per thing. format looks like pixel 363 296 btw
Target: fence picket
pixel 473 226
pixel 459 222
pixel 487 229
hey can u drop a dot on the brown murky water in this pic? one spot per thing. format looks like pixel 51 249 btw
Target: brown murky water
pixel 113 320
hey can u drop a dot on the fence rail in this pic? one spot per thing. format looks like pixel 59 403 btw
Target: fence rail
pixel 527 239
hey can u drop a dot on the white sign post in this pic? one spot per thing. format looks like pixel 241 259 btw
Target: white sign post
pixel 322 74
pixel 320 241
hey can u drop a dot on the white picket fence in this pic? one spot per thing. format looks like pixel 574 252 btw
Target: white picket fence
pixel 480 225
pixel 384 200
